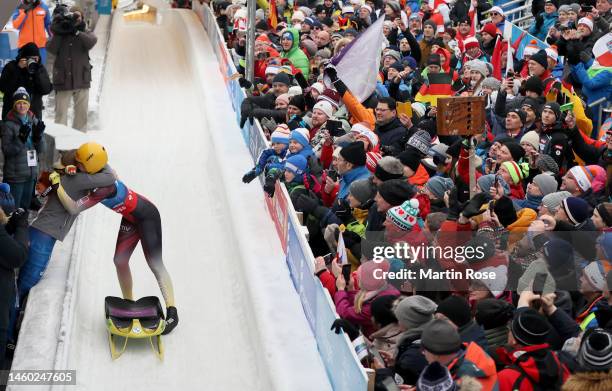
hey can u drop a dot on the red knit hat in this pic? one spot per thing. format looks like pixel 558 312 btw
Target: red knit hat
pixel 490 29
pixel 470 42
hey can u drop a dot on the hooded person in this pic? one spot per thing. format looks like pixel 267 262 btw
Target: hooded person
pixel 355 306
pixel 290 43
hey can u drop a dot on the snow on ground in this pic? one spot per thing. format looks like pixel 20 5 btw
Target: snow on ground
pixel 168 125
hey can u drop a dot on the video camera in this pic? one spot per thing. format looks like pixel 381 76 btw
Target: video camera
pixel 64 21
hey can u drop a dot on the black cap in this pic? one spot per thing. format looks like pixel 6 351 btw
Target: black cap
pixel 493 313
pixel 534 84
pixel 396 191
pixel 440 337
pixel 529 327
pixel 541 58
pixel 457 309
pixel 354 153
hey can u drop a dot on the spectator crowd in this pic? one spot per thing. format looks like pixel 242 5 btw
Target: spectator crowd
pixel 379 172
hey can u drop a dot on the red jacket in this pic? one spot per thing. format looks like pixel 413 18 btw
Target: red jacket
pixel 537 363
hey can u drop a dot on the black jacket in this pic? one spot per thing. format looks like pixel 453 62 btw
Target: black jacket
pixel 391 133
pixel 37 85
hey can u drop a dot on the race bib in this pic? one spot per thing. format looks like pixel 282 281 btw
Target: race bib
pixel 32 160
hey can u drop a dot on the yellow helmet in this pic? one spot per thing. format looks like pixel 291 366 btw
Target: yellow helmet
pixel 92 156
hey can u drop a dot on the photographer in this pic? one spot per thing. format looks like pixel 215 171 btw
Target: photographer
pixel 25 71
pixel 13 253
pixel 32 19
pixel 72 71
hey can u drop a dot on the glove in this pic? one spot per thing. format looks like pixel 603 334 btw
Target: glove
pixel 539 21
pixel 18 219
pixel 246 113
pixel 307 204
pixel 585 57
pixel 70 170
pixel 268 123
pixel 331 72
pixel 249 176
pixel 472 208
pixel 270 185
pixel 171 320
pixel 455 207
pixel 347 327
pixel 24 132
pixel 244 83
pixel 54 178
pixel 37 131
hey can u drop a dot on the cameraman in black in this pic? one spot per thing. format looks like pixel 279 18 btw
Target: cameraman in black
pixel 25 71
pixel 71 44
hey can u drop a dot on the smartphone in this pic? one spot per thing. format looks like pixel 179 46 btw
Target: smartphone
pixel 335 127
pixel 496 182
pixel 538 283
pixel 586 8
pixel 333 174
pixel 510 74
pixel 567 107
pixel 375 354
pixel 328 258
pixel 346 273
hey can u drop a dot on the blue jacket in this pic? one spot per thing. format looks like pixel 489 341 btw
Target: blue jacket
pixel 530 201
pixel 347 178
pixel 549 21
pixel 269 159
pixel 594 88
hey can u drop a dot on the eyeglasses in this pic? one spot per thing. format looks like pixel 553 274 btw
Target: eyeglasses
pixel 381 110
pixel 494 14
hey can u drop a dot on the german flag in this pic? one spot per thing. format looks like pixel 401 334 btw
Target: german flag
pixel 437 86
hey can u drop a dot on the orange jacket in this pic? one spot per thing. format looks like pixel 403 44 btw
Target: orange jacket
pixel 420 177
pixel 358 111
pixel 33 25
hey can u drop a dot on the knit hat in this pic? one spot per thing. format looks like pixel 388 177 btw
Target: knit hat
pixel 455 308
pixel 483 249
pixel 596 275
pixel 434 59
pixel 479 66
pixel 420 140
pixel 546 163
pixel 584 177
pixel 298 15
pixel 522 115
pixel 546 182
pixel 395 6
pixel 558 254
pixel 272 69
pixel 28 50
pixel 297 164
pixel 280 135
pixel 491 83
pixel 553 2
pixel 554 107
pixel 595 352
pixel 21 95
pixel 485 182
pixel 575 7
pixel 552 201
pixel 532 103
pixel 515 148
pixel 435 377
pixel 397 66
pixel 438 185
pixel 534 84
pixel 415 311
pixel 396 191
pixel 282 78
pixel 363 190
pixel 440 337
pixel 298 101
pixel 605 242
pixel 493 313
pixel 347 9
pixel 529 327
pixel 318 86
pixel 330 96
pixel 552 54
pixel 577 209
pixel 489 28
pixel 354 153
pixel 405 216
pixel 282 98
pixel 382 310
pixel 368 272
pixel 564 8
pixel 372 159
pixel 541 58
pixel 301 135
pixel 588 22
pixel 294 90
pixel 517 171
pixel 504 209
pixel 470 42
pixel 325 107
pixel 393 54
pixel 368 135
pixel 532 138
pixel 389 167
pixel 409 61
pixel 7 202
pixel 410 158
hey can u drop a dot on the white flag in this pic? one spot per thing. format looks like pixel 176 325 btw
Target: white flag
pixel 358 63
pixel 341 251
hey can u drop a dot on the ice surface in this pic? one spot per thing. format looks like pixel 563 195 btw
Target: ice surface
pixel 168 125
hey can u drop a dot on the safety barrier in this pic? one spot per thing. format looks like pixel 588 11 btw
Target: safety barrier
pixel 341 363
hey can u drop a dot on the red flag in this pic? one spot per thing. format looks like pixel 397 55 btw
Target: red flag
pixel 496 58
pixel 273 14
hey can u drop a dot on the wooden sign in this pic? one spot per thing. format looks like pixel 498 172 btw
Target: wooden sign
pixel 461 116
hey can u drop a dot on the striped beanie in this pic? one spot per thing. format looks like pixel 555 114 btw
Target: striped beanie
pixel 297 164
pixel 595 352
pixel 280 135
pixel 584 177
pixel 301 135
pixel 576 209
pixel 372 159
pixel 405 216
pixel 517 171
pixel 596 275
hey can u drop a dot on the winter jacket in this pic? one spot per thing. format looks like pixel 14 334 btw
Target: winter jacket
pixel 540 29
pixel 586 316
pixel 357 173
pixel 420 177
pixel 537 365
pixel 37 85
pixel 496 338
pixel 53 219
pixel 473 332
pixel 387 338
pixel 391 134
pixel 588 381
pixel 33 25
pixel 297 57
pixel 410 360
pixel 16 169
pixel 530 201
pixel 519 228
pixel 268 159
pixel 346 308
pixel 473 361
pixel 596 82
pixel 72 70
pixel 555 142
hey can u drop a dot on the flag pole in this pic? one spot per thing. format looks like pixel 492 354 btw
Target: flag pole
pixel 250 53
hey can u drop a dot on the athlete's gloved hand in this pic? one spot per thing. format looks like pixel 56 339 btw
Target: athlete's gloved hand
pixel 70 169
pixel 24 132
pixel 171 320
pixel 347 327
pixel 270 185
pixel 249 176
pixel 54 178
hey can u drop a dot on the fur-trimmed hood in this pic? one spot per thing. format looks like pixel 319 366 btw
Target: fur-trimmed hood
pixel 589 381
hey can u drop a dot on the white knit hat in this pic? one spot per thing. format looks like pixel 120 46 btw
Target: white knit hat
pixel 587 22
pixel 325 107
